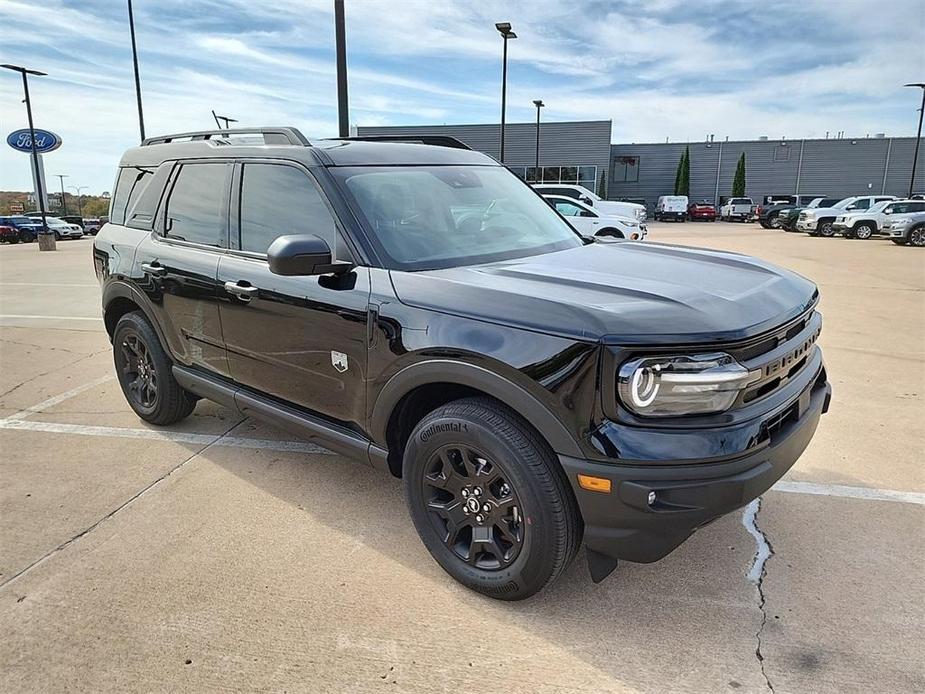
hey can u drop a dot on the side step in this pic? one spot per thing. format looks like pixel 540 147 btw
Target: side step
pixel 301 423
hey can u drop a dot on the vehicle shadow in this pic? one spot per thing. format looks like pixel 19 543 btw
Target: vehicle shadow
pixel 694 611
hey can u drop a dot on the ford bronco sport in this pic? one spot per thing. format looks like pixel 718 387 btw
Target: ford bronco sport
pixel 418 307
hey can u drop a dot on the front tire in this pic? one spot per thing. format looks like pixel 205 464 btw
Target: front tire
pixel 489 499
pixel 825 229
pixel 614 233
pixel 863 231
pixel 144 372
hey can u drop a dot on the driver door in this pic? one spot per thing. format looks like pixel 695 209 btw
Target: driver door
pixel 583 219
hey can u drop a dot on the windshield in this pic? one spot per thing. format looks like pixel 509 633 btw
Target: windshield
pixel 842 204
pixel 428 217
pixel 879 206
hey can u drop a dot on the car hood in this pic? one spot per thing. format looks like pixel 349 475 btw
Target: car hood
pixel 619 293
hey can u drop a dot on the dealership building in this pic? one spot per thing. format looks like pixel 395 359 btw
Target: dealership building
pixel 581 152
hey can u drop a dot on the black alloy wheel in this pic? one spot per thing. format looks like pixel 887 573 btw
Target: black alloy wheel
pixel 137 375
pixel 474 507
pixel 145 372
pixel 489 499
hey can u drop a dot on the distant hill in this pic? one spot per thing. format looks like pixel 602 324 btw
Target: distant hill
pixel 90 205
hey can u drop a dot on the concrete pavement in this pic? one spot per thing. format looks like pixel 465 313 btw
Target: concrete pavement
pixel 221 555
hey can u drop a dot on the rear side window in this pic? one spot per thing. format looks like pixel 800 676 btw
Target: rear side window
pixel 130 184
pixel 277 200
pixel 195 208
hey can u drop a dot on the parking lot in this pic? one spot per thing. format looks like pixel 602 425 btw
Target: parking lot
pixel 221 554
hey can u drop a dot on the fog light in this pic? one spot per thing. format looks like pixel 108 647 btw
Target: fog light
pixel 651 498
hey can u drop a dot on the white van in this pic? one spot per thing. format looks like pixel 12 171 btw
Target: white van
pixel 672 207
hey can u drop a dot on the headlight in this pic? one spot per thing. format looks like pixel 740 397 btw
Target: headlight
pixel 682 385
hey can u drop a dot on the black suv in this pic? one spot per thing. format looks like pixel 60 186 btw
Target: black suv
pixel 417 306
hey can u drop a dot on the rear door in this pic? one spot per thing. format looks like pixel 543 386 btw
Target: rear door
pixel 178 263
pixel 300 339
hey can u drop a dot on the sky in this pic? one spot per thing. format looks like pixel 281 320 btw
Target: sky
pixel 676 69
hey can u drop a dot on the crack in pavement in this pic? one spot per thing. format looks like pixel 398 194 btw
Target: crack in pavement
pixel 48 373
pixel 757 574
pixel 125 504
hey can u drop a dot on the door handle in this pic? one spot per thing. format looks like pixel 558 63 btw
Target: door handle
pixel 242 291
pixel 154 269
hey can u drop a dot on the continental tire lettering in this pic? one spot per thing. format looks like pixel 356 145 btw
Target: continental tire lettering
pixel 440 428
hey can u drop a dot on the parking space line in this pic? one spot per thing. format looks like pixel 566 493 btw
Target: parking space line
pixel 846 492
pixel 174 436
pixel 30 317
pixel 66 395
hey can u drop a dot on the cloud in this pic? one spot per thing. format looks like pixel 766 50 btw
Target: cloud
pixel 657 68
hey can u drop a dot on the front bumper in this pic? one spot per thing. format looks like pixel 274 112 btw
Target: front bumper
pixel 623 525
pixel 806 225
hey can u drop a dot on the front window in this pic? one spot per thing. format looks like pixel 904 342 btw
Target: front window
pixel 427 217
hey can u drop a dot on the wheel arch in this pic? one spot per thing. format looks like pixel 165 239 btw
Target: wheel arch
pixel 610 231
pixel 421 387
pixel 120 298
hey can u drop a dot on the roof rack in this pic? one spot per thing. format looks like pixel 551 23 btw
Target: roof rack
pixel 271 136
pixel 437 140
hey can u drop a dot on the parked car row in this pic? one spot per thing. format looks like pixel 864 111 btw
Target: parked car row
pixel 26 228
pixel 89 225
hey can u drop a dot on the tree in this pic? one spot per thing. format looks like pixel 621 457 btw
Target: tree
pixel 685 187
pixel 738 183
pixel 602 187
pixel 677 175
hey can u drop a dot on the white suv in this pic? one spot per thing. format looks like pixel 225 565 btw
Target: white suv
pixel 866 223
pixel 590 221
pixel 582 194
pixel 820 220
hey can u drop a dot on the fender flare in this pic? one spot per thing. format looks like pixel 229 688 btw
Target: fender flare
pixel 119 289
pixel 461 373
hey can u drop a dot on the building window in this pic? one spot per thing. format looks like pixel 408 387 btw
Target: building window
pixel 583 175
pixel 626 169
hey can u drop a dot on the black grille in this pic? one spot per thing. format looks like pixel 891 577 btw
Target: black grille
pixel 783 357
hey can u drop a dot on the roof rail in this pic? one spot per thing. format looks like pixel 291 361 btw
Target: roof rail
pixel 437 140
pixel 271 136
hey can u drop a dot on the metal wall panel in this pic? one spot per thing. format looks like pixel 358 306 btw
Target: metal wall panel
pixel 580 143
pixel 834 167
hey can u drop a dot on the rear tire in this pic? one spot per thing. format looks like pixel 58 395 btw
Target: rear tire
pixel 917 237
pixel 489 499
pixel 144 372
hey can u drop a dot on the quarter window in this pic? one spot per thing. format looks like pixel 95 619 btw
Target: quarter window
pixel 130 185
pixel 196 204
pixel 278 200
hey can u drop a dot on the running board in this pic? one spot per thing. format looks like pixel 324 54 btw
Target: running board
pixel 303 424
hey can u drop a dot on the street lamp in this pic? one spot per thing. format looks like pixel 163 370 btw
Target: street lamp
pixel 536 170
pixel 915 157
pixel 141 115
pixel 80 209
pixel 61 177
pixel 505 29
pixel 46 241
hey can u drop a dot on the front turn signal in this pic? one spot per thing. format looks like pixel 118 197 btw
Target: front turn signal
pixel 594 484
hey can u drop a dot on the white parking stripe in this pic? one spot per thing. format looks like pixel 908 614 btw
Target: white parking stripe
pixel 846 492
pixel 45 284
pixel 152 434
pixel 28 317
pixel 834 490
pixel 66 395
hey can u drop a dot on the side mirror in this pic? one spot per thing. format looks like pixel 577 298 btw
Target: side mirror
pixel 303 255
pixel 586 200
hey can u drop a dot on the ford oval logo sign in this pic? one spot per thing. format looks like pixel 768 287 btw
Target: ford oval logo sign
pixel 45 141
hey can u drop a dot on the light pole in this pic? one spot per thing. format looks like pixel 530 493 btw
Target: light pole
pixel 536 169
pixel 46 240
pixel 340 41
pixel 80 209
pixel 505 29
pixel 61 177
pixel 141 115
pixel 918 137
